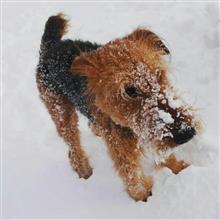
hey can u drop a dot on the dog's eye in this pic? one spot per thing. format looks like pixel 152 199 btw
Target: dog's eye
pixel 131 91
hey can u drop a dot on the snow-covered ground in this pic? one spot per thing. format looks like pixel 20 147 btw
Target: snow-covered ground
pixel 37 179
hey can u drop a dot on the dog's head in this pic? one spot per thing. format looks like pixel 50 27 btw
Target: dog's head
pixel 129 79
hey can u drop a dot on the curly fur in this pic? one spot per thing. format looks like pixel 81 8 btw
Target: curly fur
pixel 123 89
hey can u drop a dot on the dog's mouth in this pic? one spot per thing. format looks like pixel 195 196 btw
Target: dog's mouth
pixel 167 138
pixel 161 150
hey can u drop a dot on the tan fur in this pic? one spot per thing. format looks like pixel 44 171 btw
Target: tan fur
pixel 122 148
pixel 121 143
pixel 173 164
pixel 64 115
pixel 108 70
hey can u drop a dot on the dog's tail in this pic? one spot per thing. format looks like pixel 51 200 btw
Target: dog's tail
pixel 55 27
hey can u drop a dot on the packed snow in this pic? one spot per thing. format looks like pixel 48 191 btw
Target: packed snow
pixel 38 181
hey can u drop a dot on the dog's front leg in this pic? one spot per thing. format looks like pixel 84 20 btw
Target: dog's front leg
pixel 126 157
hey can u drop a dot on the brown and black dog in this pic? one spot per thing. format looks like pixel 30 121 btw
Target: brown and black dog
pixel 124 91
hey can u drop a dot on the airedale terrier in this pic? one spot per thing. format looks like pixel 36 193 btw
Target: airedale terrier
pixel 124 91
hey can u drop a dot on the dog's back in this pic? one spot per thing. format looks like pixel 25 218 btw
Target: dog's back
pixel 56 56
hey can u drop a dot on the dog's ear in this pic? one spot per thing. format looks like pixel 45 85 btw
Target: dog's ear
pixel 150 39
pixel 85 64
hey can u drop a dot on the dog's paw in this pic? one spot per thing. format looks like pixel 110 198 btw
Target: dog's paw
pixel 139 193
pixel 181 166
pixel 173 164
pixel 80 164
pixel 141 190
pixel 85 173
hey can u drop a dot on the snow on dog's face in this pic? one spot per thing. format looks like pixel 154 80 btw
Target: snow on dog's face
pixel 128 78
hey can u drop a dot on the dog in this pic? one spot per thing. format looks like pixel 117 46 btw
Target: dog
pixel 123 89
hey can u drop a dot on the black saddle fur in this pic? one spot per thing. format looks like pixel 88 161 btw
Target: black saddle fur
pixel 56 57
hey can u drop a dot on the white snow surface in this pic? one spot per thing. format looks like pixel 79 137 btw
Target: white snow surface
pixel 38 181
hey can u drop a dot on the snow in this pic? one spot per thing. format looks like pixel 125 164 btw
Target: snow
pixel 173 101
pixel 37 179
pixel 165 116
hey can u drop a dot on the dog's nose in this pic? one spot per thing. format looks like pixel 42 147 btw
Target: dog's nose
pixel 182 136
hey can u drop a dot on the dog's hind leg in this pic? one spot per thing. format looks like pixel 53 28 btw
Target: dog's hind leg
pixel 64 115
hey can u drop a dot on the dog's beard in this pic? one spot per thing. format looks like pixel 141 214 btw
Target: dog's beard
pixel 150 129
pixel 151 157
